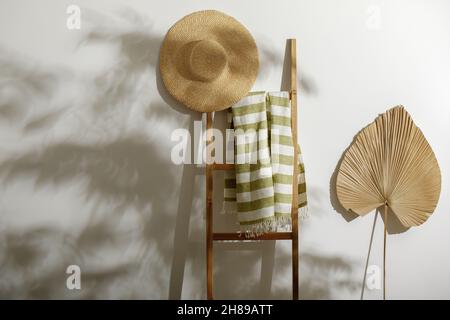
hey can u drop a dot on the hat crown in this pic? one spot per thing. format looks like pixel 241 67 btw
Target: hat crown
pixel 207 60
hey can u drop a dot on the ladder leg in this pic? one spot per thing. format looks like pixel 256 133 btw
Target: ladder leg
pixel 295 174
pixel 294 263
pixel 209 213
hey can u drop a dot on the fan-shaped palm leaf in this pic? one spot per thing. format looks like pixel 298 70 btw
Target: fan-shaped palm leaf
pixel 390 162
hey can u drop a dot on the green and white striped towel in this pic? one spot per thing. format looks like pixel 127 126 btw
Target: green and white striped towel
pixel 260 188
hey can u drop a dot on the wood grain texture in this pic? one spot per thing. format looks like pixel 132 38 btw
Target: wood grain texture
pixel 223 166
pixel 209 212
pixel 294 214
pixel 234 236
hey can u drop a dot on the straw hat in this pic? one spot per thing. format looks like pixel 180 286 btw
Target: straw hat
pixel 208 61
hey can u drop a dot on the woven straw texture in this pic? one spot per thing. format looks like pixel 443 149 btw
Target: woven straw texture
pixel 390 162
pixel 208 61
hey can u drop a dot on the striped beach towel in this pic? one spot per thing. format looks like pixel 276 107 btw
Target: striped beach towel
pixel 260 188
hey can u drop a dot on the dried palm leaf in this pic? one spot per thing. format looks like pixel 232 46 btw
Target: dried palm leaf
pixel 390 163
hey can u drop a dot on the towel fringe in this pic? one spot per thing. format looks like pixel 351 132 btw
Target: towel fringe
pixel 273 224
pixel 303 213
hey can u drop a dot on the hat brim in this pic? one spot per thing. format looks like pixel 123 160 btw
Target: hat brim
pixel 233 83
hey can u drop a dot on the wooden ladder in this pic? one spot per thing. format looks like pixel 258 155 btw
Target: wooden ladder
pixel 212 236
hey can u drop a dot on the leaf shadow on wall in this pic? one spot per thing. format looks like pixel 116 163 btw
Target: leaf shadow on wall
pixel 115 173
pixel 121 172
pixel 124 176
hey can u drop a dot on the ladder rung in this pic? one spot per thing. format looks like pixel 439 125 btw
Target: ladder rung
pixel 221 236
pixel 223 166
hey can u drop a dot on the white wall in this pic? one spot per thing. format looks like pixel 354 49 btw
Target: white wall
pixel 85 169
